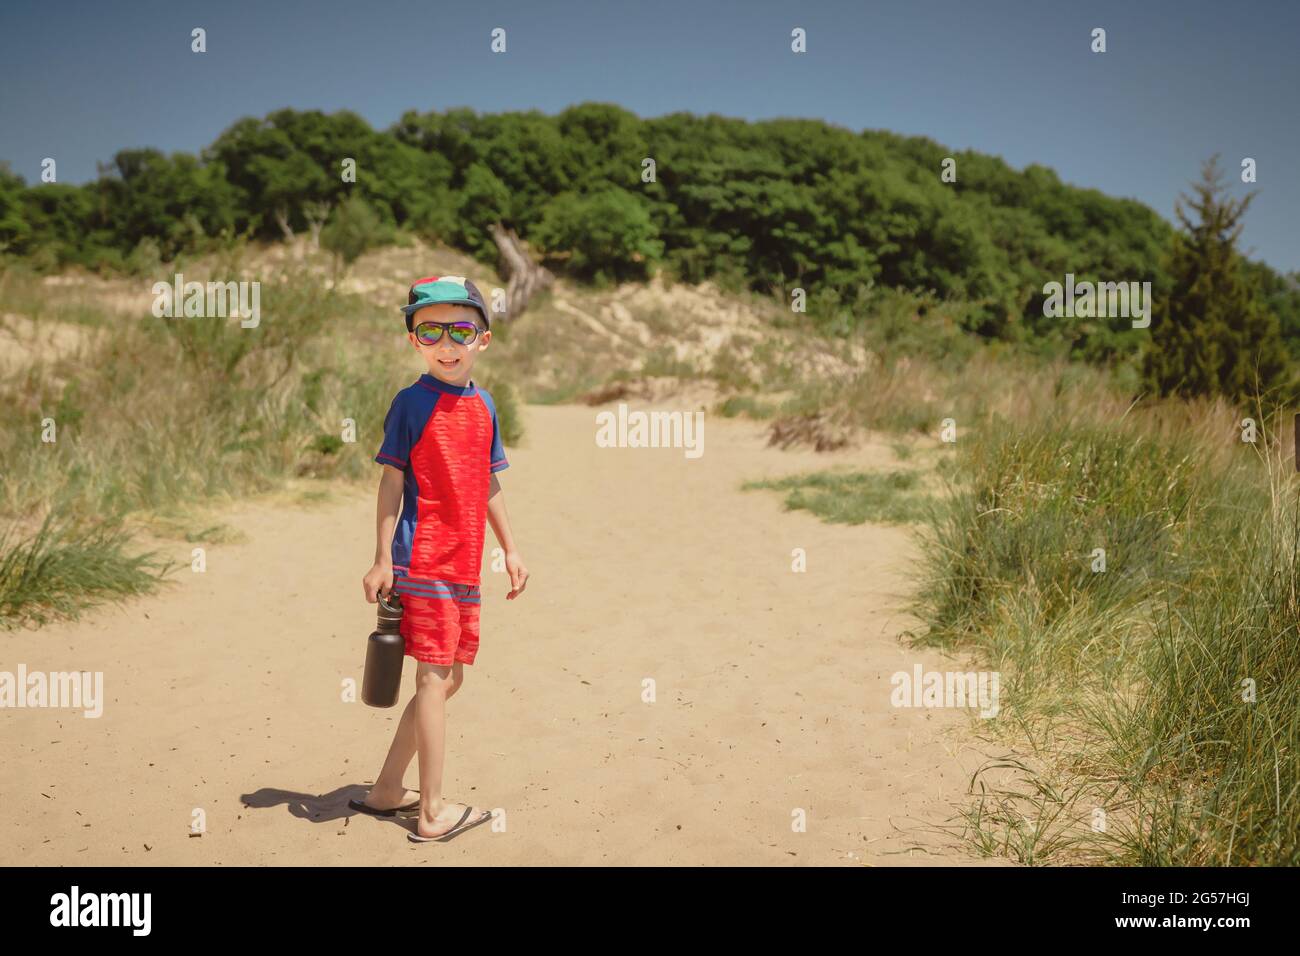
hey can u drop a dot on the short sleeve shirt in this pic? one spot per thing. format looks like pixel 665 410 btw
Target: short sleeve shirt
pixel 447 442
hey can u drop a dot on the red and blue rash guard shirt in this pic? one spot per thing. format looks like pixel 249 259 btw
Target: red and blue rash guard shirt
pixel 446 441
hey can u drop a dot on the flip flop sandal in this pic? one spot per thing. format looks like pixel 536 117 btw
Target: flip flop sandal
pixel 460 827
pixel 376 812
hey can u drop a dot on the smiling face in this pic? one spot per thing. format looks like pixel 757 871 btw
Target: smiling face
pixel 449 361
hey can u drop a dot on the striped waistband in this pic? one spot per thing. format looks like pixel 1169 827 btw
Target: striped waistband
pixel 436 588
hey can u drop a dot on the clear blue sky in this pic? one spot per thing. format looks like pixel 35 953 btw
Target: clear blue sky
pixel 1182 79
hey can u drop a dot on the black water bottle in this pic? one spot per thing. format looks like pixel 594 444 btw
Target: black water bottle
pixel 385 652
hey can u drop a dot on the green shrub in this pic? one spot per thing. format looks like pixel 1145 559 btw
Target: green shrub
pixel 352 230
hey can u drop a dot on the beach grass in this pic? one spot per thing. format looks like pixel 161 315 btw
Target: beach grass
pixel 852 497
pixel 1134 580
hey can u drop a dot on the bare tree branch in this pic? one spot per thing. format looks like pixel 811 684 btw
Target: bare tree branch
pixel 524 277
pixel 316 213
pixel 282 217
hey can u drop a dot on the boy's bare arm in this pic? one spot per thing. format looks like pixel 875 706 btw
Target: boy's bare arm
pixel 380 576
pixel 386 512
pixel 500 523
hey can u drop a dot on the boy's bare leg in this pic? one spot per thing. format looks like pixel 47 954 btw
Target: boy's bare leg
pixel 389 791
pixel 433 684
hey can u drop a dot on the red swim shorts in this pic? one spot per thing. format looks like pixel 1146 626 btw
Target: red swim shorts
pixel 441 627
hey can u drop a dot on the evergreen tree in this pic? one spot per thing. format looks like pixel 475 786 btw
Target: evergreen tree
pixel 1213 334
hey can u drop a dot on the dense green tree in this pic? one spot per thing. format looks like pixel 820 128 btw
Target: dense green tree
pixel 277 177
pixel 454 135
pixel 484 200
pixel 15 230
pixel 173 201
pixel 602 144
pixel 604 235
pixel 65 225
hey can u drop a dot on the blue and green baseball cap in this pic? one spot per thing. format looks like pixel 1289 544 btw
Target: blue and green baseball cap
pixel 454 290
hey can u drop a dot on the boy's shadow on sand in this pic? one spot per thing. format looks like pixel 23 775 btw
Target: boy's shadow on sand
pixel 321 807
pixel 328 807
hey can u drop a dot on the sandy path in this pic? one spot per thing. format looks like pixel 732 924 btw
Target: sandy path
pixel 224 692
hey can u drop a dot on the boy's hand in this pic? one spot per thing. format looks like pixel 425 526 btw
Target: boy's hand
pixel 518 574
pixel 378 579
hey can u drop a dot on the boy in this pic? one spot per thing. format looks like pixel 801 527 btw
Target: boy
pixel 441 452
